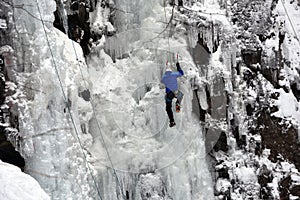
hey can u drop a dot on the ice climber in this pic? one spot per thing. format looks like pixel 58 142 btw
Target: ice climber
pixel 169 79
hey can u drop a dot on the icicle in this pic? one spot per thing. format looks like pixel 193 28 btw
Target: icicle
pixel 65 20
pixel 193 36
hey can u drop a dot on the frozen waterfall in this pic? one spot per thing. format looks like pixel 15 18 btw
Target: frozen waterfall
pixel 122 125
pixel 152 160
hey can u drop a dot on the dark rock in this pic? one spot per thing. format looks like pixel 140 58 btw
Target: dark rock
pixel 221 143
pixel 251 56
pixel 7 151
pixel 86 95
pixel 180 2
pixel 295 87
pixel 74 5
pixel 257 148
pixel 249 109
pixel 264 178
pixel 207 91
pixel 58 23
pixel 203 44
pixel 281 38
pixel 295 191
pixel 223 172
pixel 280 139
pixel 272 75
pixel 196 107
pixel 78 23
pixel 9 154
pixel 273 109
pixel 284 188
pixel 248 76
pixel 212 137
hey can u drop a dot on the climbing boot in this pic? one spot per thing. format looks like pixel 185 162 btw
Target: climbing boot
pixel 172 124
pixel 177 107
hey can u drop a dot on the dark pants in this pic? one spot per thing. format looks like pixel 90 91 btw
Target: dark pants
pixel 169 98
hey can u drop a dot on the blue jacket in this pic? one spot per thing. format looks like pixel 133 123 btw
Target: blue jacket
pixel 170 80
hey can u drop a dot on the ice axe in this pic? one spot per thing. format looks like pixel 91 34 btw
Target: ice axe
pixel 177 57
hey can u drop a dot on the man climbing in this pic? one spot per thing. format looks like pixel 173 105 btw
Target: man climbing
pixel 169 79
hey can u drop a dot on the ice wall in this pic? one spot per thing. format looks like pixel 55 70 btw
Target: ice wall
pixel 126 106
pixel 152 160
pixel 48 137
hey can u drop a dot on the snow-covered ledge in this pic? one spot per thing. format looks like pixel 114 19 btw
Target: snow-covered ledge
pixel 16 185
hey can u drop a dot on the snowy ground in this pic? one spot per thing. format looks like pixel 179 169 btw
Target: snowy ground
pixel 16 185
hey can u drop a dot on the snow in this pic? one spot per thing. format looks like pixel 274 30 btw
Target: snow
pixel 16 185
pixel 290 17
pixel 286 167
pixel 295 178
pixel 246 174
pixel 275 187
pixel 3 24
pixel 223 185
pixel 291 197
pixel 271 45
pixel 98 20
pixel 289 107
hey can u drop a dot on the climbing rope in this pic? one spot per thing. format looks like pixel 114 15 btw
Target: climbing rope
pixel 169 48
pixel 166 27
pixel 65 98
pixel 21 7
pixel 98 125
pixel 97 121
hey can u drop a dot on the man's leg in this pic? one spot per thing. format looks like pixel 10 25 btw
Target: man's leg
pixel 169 111
pixel 179 97
pixel 169 97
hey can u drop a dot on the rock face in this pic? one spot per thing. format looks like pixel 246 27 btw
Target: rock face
pixel 77 18
pixel 262 71
pixel 261 132
pixel 8 111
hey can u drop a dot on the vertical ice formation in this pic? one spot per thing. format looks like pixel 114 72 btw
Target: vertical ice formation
pixel 52 153
pixel 152 161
